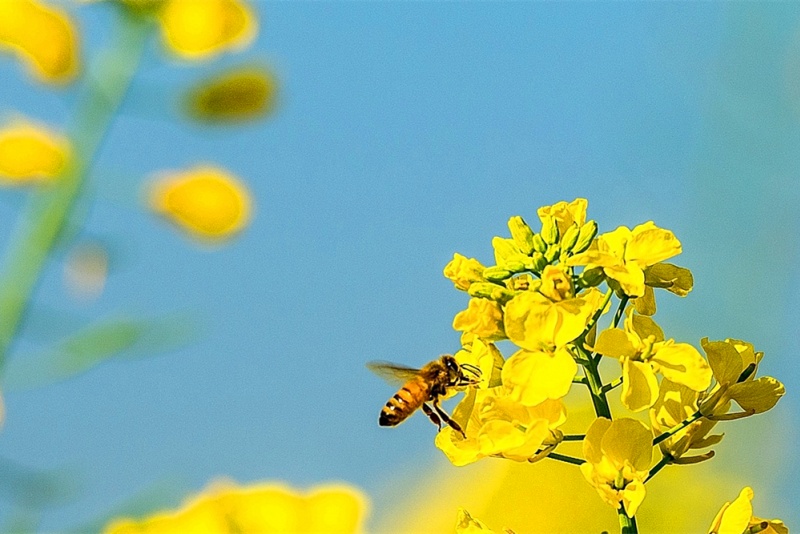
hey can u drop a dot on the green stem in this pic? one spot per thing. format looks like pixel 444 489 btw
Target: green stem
pixel 573 437
pixel 666 459
pixel 627 525
pixel 48 210
pixel 677 428
pixel 613 384
pixel 620 310
pixel 595 384
pixel 565 458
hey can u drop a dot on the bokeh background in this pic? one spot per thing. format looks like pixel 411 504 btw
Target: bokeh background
pixel 406 132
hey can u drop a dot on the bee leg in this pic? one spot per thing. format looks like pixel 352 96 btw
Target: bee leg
pixel 447 419
pixel 432 416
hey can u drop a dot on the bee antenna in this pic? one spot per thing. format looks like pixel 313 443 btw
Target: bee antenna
pixel 474 369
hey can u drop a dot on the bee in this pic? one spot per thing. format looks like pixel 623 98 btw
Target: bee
pixel 422 386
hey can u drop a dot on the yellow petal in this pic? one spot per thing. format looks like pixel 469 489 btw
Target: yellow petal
pixel 759 395
pixel 628 440
pixel 639 385
pixel 724 359
pixel 632 497
pixel 466 524
pixel 30 152
pixel 43 36
pixel 649 245
pixel 197 30
pixel 683 364
pixel 458 450
pixel 615 343
pixel 208 202
pixel 334 509
pixel 565 214
pixel 483 317
pixel 734 517
pixel 532 377
pixel 674 279
pixel 629 276
pixel 464 271
pixel 592 443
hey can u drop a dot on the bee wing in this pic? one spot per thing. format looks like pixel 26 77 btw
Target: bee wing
pixel 392 372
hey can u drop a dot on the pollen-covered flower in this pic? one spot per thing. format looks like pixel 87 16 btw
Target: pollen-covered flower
pixel 624 254
pixel 483 317
pixel 237 95
pixel 535 322
pixel 643 352
pixel 531 377
pixel 206 201
pixel 199 30
pixel 618 455
pixel 43 36
pixel 496 425
pixel 463 271
pixel 734 364
pixel 737 518
pixel 30 152
pixel 262 508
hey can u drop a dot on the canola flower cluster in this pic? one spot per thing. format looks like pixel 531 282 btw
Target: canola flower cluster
pixel 545 296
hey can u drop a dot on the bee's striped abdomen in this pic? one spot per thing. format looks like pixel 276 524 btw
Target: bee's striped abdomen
pixel 403 403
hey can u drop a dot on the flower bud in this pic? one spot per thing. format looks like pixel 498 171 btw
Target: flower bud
pixel 521 233
pixel 585 236
pixel 538 243
pixel 487 290
pixel 539 262
pixel 515 266
pixel 591 277
pixel 496 274
pixel 569 238
pixel 549 230
pixel 552 253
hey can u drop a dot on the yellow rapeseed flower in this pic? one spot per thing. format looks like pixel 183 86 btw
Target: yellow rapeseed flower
pixel 624 254
pixel 618 455
pixel 198 29
pixel 483 355
pixel 500 426
pixel 463 271
pixel 257 509
pixel 466 524
pixel 737 518
pixel 565 214
pixel 483 317
pixel 643 352
pixel 30 152
pixel 43 36
pixel 531 377
pixel 208 202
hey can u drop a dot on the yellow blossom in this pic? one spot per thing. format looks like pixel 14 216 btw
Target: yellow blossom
pixel 463 271
pixel 624 254
pixel 618 455
pixel 730 360
pixel 483 355
pixel 237 95
pixel 257 509
pixel 30 152
pixel 206 201
pixel 43 36
pixel 737 518
pixel 565 215
pixel 201 29
pixel 535 322
pixel 483 317
pixel 496 425
pixel 466 524
pixel 556 283
pixel 531 377
pixel 643 352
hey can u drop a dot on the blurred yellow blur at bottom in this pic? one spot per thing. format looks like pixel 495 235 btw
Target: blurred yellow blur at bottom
pixel 263 508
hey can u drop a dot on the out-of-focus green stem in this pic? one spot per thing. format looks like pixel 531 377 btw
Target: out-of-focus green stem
pixel 627 525
pixel 48 209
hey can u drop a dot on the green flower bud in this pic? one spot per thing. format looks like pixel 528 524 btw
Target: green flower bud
pixel 515 266
pixel 552 253
pixel 538 243
pixel 591 277
pixel 569 238
pixel 522 234
pixel 539 262
pixel 549 230
pixel 496 274
pixel 585 236
pixel 487 290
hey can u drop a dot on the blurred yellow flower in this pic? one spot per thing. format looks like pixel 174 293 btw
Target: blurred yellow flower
pixel 531 377
pixel 206 201
pixel 198 29
pixel 238 95
pixel 463 271
pixel 535 322
pixel 643 352
pixel 466 524
pixel 500 426
pixel 737 518
pixel 30 152
pixel 618 455
pixel 624 254
pixel 43 36
pixel 483 317
pixel 257 509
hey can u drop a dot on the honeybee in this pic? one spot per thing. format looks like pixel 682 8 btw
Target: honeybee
pixel 423 386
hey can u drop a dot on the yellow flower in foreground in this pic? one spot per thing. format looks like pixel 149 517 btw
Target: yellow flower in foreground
pixel 737 518
pixel 31 152
pixel 499 426
pixel 483 355
pixel 463 271
pixel 618 455
pixel 257 509
pixel 206 201
pixel 200 29
pixel 483 317
pixel 238 95
pixel 531 377
pixel 565 215
pixel 43 36
pixel 643 352
pixel 624 254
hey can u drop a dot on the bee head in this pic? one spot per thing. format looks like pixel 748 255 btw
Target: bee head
pixel 453 369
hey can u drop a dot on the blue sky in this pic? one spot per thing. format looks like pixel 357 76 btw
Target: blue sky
pixel 405 132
